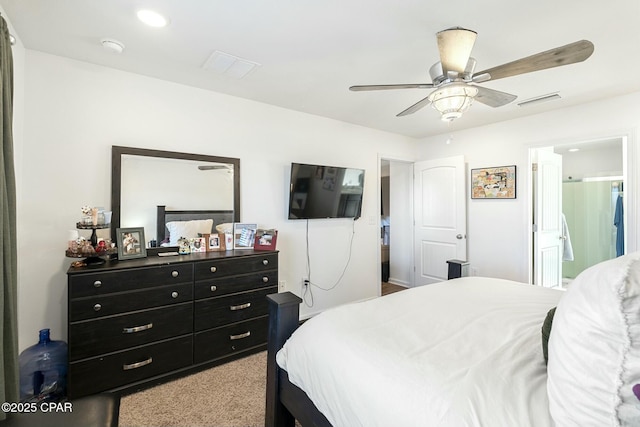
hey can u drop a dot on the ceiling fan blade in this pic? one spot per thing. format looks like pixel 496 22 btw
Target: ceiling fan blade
pixel 213 167
pixel 415 107
pixel 455 45
pixel 493 98
pixel 387 87
pixel 563 55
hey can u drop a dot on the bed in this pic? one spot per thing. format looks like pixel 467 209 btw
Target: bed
pixel 188 223
pixel 466 352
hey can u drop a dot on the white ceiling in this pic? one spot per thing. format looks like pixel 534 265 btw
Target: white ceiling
pixel 311 51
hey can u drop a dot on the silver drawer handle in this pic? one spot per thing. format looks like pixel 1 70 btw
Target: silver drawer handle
pixel 265 279
pixel 239 337
pixel 213 288
pixel 174 295
pixel 97 307
pixel 265 261
pixel 240 307
pixel 137 364
pixel 174 273
pixel 137 328
pixel 97 283
pixel 213 269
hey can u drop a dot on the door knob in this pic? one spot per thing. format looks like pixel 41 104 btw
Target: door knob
pixel 459 236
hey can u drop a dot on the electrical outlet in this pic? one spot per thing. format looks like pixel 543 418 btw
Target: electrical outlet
pixel 304 283
pixel 282 285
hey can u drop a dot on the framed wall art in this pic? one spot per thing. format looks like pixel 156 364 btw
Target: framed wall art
pixel 493 183
pixel 131 243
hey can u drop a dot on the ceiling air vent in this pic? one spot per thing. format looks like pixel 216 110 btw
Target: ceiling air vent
pixel 229 65
pixel 539 99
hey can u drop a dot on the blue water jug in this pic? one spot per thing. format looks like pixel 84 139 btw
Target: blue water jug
pixel 43 370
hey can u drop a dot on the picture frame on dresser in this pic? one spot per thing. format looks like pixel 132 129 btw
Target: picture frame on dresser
pixel 244 235
pixel 215 242
pixel 131 243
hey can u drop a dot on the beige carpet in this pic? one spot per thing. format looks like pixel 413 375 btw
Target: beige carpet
pixel 229 395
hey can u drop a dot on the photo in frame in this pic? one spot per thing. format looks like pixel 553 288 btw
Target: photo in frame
pixel 266 240
pixel 198 244
pixel 215 242
pixel 131 243
pixel 244 235
pixel 493 183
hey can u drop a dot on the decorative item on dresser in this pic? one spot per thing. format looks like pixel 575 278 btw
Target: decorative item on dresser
pixel 93 249
pixel 144 321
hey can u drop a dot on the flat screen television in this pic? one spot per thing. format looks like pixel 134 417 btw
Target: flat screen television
pixel 320 191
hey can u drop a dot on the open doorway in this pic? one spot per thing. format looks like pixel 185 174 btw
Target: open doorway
pixel 592 203
pixel 592 207
pixel 396 225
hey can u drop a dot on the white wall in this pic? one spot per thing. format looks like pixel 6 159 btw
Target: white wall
pixel 592 163
pixel 75 111
pixel 499 230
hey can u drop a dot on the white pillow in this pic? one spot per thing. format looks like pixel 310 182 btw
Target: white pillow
pixel 227 227
pixel 188 229
pixel 594 348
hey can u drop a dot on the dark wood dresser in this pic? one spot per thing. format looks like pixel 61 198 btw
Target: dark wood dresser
pixel 136 323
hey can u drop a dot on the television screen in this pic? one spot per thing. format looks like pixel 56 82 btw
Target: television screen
pixel 318 191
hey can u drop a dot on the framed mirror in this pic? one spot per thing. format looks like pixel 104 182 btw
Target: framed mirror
pixel 143 179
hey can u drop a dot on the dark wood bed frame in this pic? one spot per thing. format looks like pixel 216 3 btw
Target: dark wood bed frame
pixel 285 401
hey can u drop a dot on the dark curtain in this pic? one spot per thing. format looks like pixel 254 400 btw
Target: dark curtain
pixel 8 265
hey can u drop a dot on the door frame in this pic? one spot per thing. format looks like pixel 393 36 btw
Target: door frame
pixel 630 173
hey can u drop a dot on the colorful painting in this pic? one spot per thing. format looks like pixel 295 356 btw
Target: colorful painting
pixel 493 183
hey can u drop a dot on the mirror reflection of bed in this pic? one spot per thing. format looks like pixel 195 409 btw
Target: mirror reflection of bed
pixel 175 224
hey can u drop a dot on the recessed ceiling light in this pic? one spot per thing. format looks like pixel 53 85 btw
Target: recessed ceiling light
pixel 151 18
pixel 573 150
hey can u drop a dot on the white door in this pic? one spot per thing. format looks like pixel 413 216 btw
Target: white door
pixel 547 220
pixel 440 217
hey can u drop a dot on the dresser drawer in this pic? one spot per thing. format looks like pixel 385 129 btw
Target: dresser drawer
pixel 110 371
pixel 83 285
pixel 230 339
pixel 107 304
pixel 237 265
pixel 229 285
pixel 215 312
pixel 92 337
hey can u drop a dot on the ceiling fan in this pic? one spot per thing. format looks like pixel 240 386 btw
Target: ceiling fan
pixel 215 167
pixel 455 79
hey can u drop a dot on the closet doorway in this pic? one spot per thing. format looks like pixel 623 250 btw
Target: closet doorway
pixel 592 204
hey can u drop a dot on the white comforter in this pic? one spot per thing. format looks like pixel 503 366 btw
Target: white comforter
pixel 465 352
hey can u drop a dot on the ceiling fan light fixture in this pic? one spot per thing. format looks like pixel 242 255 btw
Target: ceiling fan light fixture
pixel 454 45
pixel 452 100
